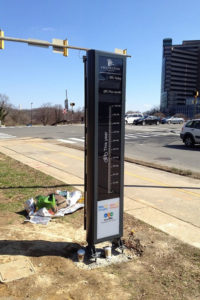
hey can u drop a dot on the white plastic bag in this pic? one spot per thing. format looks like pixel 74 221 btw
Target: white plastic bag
pixel 73 197
pixel 29 206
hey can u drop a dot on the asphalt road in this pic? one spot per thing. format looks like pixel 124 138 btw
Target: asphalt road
pixel 158 144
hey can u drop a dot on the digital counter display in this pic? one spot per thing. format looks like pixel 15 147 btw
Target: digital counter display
pixel 109 126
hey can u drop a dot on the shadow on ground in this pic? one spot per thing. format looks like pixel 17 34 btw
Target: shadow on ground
pixel 40 186
pixel 163 187
pixel 183 147
pixel 38 248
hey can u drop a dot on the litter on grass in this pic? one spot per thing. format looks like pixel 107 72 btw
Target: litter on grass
pixel 43 208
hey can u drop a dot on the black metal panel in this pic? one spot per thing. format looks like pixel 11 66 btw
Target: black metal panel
pixel 105 106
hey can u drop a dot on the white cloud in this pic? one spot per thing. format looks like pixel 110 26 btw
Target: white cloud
pixel 48 29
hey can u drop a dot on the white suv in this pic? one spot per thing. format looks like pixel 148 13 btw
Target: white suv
pixel 129 119
pixel 190 133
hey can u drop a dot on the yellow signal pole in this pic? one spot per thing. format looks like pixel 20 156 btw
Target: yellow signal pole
pixel 65 50
pixel 60 46
pixel 1 41
pixel 195 102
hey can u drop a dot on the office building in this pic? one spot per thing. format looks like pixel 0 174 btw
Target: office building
pixel 180 82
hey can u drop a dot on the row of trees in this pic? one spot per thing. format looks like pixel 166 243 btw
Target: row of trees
pixel 45 115
pixel 51 115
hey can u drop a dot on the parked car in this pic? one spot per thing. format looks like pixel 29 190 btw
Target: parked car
pixel 190 133
pixel 164 120
pixel 174 120
pixel 129 119
pixel 148 120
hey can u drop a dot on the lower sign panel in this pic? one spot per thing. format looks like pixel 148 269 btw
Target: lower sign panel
pixel 108 218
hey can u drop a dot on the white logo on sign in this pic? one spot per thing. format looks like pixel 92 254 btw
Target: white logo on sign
pixel 110 62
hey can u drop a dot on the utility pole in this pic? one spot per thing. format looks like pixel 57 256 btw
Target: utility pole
pixel 31 112
pixel 72 104
pixel 66 106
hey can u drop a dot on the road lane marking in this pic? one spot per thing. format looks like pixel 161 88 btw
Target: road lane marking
pixel 6 136
pixel 72 156
pixel 62 153
pixel 76 139
pixel 55 161
pixel 144 136
pixel 43 147
pixel 128 137
pixel 66 141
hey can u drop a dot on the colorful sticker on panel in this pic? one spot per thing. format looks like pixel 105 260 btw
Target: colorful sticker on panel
pixel 107 218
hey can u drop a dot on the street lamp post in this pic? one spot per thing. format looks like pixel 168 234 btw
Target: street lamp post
pixel 72 104
pixel 31 112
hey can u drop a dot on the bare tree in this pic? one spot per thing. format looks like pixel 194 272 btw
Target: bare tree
pixel 44 113
pixel 132 111
pixel 4 107
pixel 58 113
pixel 153 111
pixel 78 115
pixel 180 115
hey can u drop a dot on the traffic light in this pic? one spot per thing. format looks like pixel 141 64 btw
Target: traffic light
pixel 1 41
pixel 196 93
pixel 65 50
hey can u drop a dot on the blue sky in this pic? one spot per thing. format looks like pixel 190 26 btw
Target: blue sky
pixel 37 75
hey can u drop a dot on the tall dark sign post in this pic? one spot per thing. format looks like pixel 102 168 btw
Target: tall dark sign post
pixel 105 80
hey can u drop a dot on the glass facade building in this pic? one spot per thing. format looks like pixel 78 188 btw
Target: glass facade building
pixel 180 76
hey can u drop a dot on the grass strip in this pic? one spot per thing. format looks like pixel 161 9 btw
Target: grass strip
pixel 19 182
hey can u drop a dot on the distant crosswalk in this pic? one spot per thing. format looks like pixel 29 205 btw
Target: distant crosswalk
pixel 128 137
pixel 72 140
pixel 149 135
pixel 6 136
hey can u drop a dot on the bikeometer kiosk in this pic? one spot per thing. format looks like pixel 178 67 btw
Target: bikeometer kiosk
pixel 105 80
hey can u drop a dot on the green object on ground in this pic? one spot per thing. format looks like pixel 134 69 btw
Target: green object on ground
pixel 46 201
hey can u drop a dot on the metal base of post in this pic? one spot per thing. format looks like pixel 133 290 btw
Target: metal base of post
pixel 91 252
pixel 118 243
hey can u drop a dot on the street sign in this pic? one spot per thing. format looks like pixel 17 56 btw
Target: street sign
pixel 57 49
pixel 58 46
pixel 105 106
pixel 121 51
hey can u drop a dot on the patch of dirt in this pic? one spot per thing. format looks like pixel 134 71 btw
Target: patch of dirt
pixel 161 268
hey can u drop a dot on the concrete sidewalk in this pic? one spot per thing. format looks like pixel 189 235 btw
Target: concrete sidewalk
pixel 166 201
